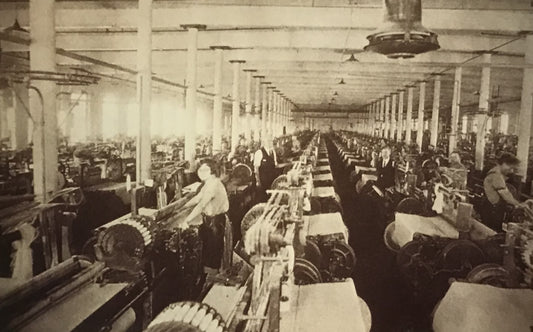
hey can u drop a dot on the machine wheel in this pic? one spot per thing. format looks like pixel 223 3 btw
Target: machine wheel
pixel 460 254
pixel 88 248
pixel 242 173
pixel 251 217
pixel 341 260
pixel 387 238
pixel 410 205
pixel 187 316
pixel 489 274
pixel 312 253
pixel 305 272
pixel 405 254
pixel 280 182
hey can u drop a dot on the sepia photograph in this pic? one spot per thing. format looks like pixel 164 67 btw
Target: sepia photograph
pixel 266 166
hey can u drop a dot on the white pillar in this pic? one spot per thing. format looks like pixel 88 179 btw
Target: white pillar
pixel 217 100
pixel 275 110
pixel 236 105
pixel 420 121
pixel 20 133
pixel 382 117
pixel 409 118
pixel 248 105
pixel 434 128
pixel 526 110
pixel 270 124
pixel 482 116
pixel 393 122
pixel 42 98
pixel 399 137
pixel 264 112
pixel 257 108
pixel 456 101
pixel 191 92
pixel 388 120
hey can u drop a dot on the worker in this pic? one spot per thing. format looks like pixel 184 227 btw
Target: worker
pixel 456 171
pixel 455 161
pixel 212 204
pixel 497 195
pixel 385 169
pixel 265 161
pixel 295 145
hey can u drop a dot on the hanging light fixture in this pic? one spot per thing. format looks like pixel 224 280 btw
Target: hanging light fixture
pixel 335 94
pixel 15 28
pixel 341 81
pixel 351 59
pixel 402 34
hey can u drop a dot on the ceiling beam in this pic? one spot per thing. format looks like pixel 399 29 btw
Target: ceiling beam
pixel 168 13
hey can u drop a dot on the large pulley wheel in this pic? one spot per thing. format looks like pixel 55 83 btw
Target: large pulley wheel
pixel 405 256
pixel 251 217
pixel 188 316
pixel 241 173
pixel 312 253
pixel 280 182
pixel 489 274
pixel 387 238
pixel 461 254
pixel 410 205
pixel 305 272
pixel 341 260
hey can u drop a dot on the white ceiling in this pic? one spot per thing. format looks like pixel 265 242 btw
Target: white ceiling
pixel 298 45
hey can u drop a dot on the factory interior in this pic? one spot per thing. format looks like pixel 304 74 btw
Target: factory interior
pixel 266 165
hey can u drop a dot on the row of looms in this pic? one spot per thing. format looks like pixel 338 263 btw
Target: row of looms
pixel 433 227
pixel 376 157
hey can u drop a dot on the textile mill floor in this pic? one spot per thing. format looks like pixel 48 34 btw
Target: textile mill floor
pixel 376 276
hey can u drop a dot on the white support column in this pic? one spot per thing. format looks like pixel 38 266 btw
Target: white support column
pixel 124 101
pixel 388 118
pixel 248 105
pixel 373 119
pixel 420 121
pixel 482 116
pixel 217 100
pixel 257 108
pixel 456 102
pixel 382 117
pixel 374 116
pixel 409 117
pixel 264 112
pixel 399 137
pixel 191 93
pixel 393 110
pixel 270 111
pixel 435 112
pixel 275 110
pixel 19 136
pixel 273 114
pixel 42 98
pixel 236 105
pixel 96 115
pixel 526 110
pixel 282 114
